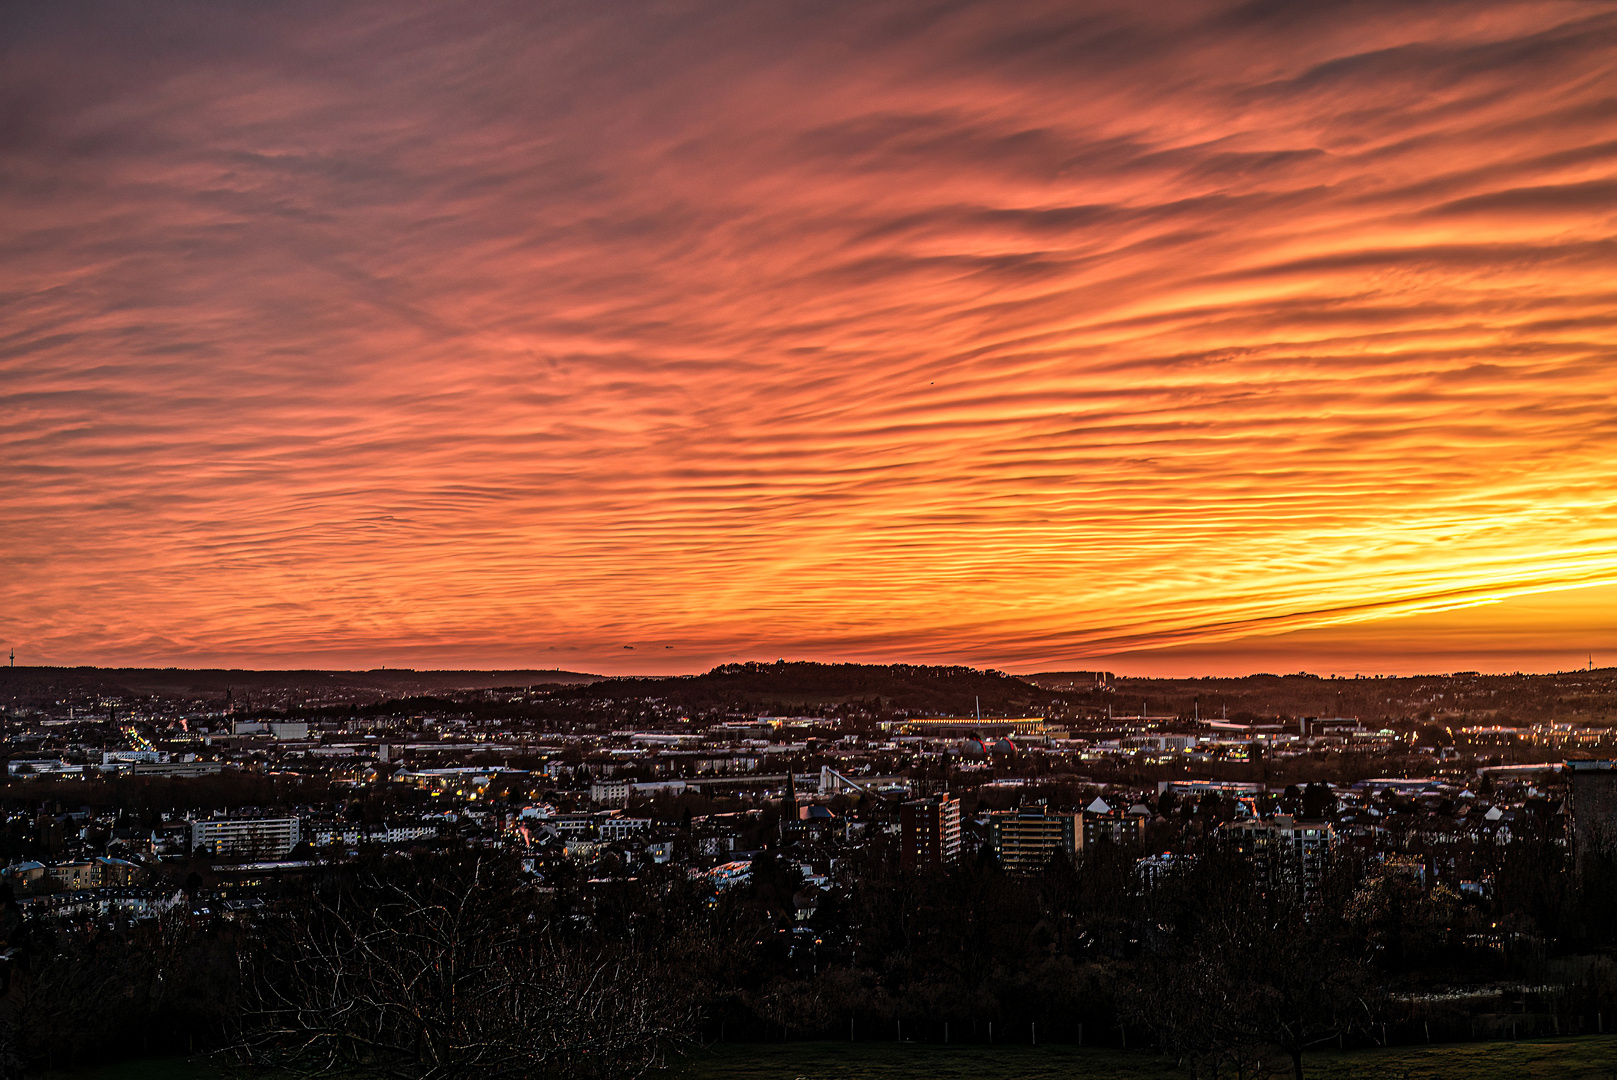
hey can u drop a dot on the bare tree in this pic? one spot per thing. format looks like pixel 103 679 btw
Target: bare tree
pixel 440 967
pixel 1236 971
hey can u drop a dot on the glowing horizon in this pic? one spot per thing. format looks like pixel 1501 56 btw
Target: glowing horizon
pixel 1009 334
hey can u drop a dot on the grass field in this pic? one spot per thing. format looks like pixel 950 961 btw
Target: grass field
pixel 1589 1058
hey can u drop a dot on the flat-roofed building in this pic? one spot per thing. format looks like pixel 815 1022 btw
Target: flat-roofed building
pixel 1284 850
pixel 1594 807
pixel 609 792
pixel 943 727
pixel 254 837
pixel 929 832
pixel 1024 841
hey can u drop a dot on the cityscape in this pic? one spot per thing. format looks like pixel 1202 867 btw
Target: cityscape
pixel 943 856
pixel 808 540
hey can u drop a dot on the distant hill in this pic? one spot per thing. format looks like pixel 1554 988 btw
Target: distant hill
pixel 1069 680
pixel 945 691
pixel 788 688
pixel 25 683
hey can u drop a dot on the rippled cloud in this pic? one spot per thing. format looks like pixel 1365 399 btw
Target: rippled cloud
pixel 1008 333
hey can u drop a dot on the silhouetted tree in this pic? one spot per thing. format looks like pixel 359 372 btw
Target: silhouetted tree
pixel 1232 965
pixel 440 967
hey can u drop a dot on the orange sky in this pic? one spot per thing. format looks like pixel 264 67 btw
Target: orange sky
pixel 1155 337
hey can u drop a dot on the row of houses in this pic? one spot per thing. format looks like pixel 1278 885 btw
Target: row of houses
pixel 98 873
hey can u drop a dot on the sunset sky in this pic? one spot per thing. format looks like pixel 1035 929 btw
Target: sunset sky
pixel 1164 338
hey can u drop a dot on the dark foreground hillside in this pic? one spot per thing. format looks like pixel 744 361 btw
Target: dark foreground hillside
pixel 1561 1059
pixel 1588 1058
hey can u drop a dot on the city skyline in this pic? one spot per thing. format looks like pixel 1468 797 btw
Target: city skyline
pixel 1202 339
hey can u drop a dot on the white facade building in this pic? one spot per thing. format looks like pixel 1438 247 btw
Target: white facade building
pixel 609 792
pixel 258 838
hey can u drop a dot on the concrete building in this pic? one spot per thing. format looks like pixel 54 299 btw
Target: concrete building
pixel 351 835
pixel 609 792
pixel 277 729
pixel 1103 825
pixel 1025 840
pixel 621 828
pixel 929 832
pixel 1594 807
pixel 258 838
pixel 175 768
pixel 126 757
pixel 650 789
pixel 945 727
pixel 78 874
pixel 1283 850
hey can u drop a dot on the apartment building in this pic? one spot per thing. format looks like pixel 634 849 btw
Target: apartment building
pixel 254 837
pixel 929 832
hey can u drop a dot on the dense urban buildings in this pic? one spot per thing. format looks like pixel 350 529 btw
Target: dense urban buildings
pixel 636 773
pixel 824 801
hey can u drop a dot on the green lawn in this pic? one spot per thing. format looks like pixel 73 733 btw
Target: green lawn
pixel 1592 1058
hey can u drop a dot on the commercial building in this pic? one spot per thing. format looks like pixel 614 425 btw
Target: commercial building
pixel 283 730
pixel 955 726
pixel 350 834
pixel 620 828
pixel 929 832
